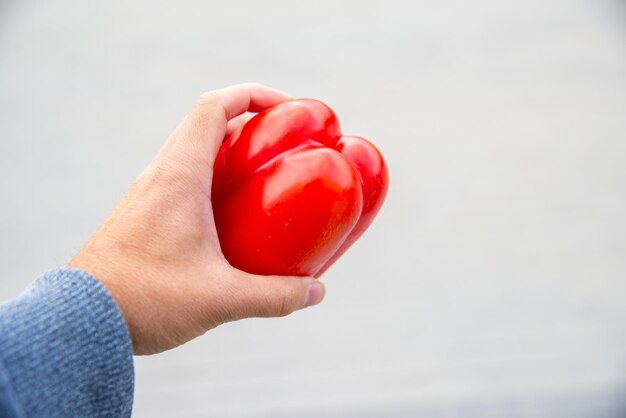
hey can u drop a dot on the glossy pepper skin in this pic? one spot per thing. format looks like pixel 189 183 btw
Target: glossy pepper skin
pixel 291 194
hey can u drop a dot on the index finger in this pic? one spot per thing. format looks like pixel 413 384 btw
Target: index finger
pixel 202 131
pixel 241 98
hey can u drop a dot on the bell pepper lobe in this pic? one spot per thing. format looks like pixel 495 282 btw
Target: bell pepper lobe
pixel 291 194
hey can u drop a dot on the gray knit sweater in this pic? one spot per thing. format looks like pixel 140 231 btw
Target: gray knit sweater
pixel 64 351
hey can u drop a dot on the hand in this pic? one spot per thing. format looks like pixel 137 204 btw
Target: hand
pixel 158 252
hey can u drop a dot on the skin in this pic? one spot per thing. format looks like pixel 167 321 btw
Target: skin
pixel 158 252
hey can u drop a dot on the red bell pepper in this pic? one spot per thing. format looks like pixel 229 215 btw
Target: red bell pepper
pixel 291 194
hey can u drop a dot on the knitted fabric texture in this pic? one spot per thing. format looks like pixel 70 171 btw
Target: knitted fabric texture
pixel 65 351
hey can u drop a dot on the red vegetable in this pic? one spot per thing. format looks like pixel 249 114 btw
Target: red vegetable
pixel 291 194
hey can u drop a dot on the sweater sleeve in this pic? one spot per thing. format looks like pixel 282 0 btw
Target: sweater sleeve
pixel 65 351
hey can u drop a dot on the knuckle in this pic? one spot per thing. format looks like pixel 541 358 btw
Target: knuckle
pixel 258 298
pixel 251 85
pixel 211 105
pixel 284 304
pixel 211 98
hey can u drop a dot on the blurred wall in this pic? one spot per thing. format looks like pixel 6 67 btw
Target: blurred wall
pixel 493 282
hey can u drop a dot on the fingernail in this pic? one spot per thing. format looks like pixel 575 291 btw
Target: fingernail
pixel 315 294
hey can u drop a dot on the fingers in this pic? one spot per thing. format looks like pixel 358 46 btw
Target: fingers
pixel 240 98
pixel 201 133
pixel 237 122
pixel 275 296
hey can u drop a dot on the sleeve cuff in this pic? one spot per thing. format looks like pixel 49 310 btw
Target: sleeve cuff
pixel 65 349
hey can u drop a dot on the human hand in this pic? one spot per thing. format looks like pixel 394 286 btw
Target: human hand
pixel 158 252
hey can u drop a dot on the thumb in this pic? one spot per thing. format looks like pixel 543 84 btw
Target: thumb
pixel 274 296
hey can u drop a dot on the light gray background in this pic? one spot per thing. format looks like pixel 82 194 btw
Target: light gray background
pixel 493 282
